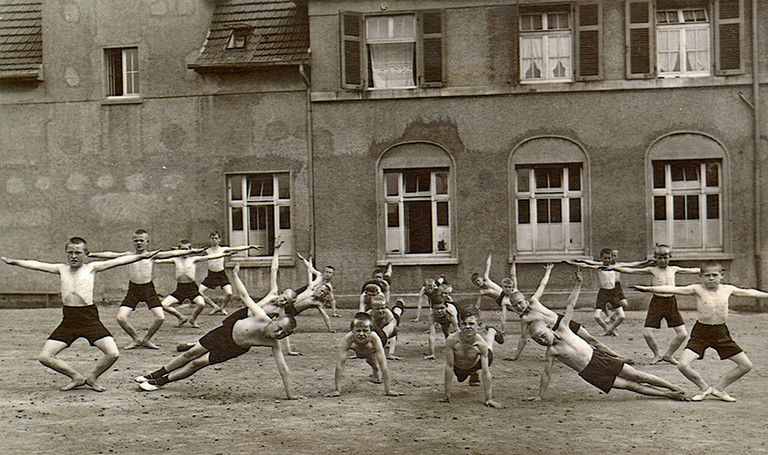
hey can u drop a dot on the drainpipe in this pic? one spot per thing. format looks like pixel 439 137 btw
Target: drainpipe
pixel 311 158
pixel 759 257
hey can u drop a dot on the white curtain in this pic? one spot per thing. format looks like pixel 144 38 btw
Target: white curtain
pixel 697 49
pixel 392 65
pixel 531 51
pixel 669 50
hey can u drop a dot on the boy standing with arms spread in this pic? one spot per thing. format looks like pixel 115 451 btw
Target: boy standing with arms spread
pixel 710 329
pixel 362 341
pixel 662 305
pixel 603 371
pixel 217 277
pixel 81 316
pixel 141 288
pixel 466 352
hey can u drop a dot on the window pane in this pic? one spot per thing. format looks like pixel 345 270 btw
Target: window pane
pixel 418 226
pixel 659 208
pixel 237 218
pixel 523 177
pixel 523 211
pixel 555 210
pixel 574 177
pixel 416 180
pixel 713 207
pixel 542 211
pixel 260 186
pixel 236 188
pixel 392 65
pixel 391 181
pixel 678 207
pixel 574 212
pixel 441 182
pixel 542 178
pixel 713 175
pixel 442 214
pixel 393 215
pixel 659 181
pixel 283 186
pixel 285 217
pixel 692 203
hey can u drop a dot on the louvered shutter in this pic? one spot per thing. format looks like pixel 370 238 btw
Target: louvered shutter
pixel 729 33
pixel 588 40
pixel 351 26
pixel 639 39
pixel 432 58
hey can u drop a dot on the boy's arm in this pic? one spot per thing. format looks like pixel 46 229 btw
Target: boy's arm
pixel 381 359
pixel 33 265
pixel 549 359
pixel 630 270
pixel 177 253
pixel 487 386
pixel 242 292
pixel 341 360
pixel 544 280
pixel 282 368
pixel 488 261
pixel 361 306
pixel 752 293
pixel 572 298
pixel 513 271
pixel 448 371
pixel 107 254
pixel 218 255
pixel 326 319
pixel 523 340
pixel 679 290
pixel 308 265
pixel 454 319
pixel 422 296
pixel 388 271
pixel 690 270
pixel 431 338
pixel 586 263
pixel 638 264
pixel 122 260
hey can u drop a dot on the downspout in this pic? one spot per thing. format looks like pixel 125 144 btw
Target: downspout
pixel 759 269
pixel 311 158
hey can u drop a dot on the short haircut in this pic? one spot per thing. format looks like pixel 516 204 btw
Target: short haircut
pixel 379 298
pixel 360 317
pixel 475 276
pixel 661 246
pixel 290 294
pixel 76 241
pixel 140 232
pixel 377 272
pixel 437 299
pixel 330 267
pixel 215 233
pixel 184 242
pixel 507 282
pixel 468 311
pixel 607 251
pixel 371 288
pixel 430 281
pixel 711 265
pixel 291 325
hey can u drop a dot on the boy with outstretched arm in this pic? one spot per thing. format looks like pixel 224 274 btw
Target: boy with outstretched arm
pixel 368 344
pixel 238 332
pixel 710 329
pixel 216 276
pixel 81 316
pixel 662 305
pixel 603 371
pixel 466 352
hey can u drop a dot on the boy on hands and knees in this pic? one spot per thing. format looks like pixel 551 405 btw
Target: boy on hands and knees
pixel 368 344
pixel 601 370
pixel 238 332
pixel 81 316
pixel 466 352
pixel 662 305
pixel 444 315
pixel 386 322
pixel 710 329
pixel 141 288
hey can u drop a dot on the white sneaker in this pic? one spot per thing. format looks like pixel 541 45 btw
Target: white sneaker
pixel 147 387
pixel 141 379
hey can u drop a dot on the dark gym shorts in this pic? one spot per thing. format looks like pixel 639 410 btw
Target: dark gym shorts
pixel 185 291
pixel 80 321
pixel 663 308
pixel 715 336
pixel 220 344
pixel 216 279
pixel 607 297
pixel 601 371
pixel 141 293
pixel 461 375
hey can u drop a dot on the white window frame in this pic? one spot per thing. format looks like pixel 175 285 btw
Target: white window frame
pixel 546 35
pixel 396 236
pixel 238 38
pixel 676 24
pixel 705 228
pixel 390 39
pixel 565 195
pixel 130 73
pixel 240 182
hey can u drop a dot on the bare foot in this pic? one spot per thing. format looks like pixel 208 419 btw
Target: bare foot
pixel 677 396
pixel 393 357
pixel 293 353
pixel 374 379
pixel 671 360
pixel 133 344
pixel 92 384
pixel 194 324
pixel 182 322
pixel 702 394
pixel 723 396
pixel 77 381
pixel 149 344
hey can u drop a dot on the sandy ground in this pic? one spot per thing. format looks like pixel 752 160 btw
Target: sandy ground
pixel 239 407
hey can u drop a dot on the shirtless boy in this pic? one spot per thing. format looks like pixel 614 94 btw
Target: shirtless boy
pixel 532 310
pixel 467 352
pixel 444 315
pixel 217 277
pixel 366 343
pixel 141 288
pixel 246 327
pixel 595 367
pixel 428 289
pixel 386 322
pixel 710 329
pixel 81 316
pixel 662 305
pixel 500 294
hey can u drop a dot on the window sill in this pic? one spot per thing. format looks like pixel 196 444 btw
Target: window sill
pixel 546 257
pixel 123 100
pixel 418 260
pixel 266 261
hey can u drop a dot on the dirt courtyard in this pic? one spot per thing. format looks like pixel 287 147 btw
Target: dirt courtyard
pixel 239 407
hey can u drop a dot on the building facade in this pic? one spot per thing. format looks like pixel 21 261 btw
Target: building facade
pixel 419 133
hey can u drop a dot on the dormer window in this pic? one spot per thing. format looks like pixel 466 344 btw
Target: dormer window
pixel 238 38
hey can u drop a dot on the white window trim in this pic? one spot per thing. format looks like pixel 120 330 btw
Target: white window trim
pixel 368 42
pixel 125 97
pixel 681 28
pixel 545 34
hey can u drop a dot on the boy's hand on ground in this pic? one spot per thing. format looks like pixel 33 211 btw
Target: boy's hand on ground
pixel 393 357
pixel 392 393
pixel 335 393
pixel 536 398
pixel 429 357
pixel 492 404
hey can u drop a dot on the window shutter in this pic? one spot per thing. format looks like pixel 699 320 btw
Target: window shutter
pixel 432 61
pixel 729 32
pixel 351 26
pixel 639 39
pixel 588 40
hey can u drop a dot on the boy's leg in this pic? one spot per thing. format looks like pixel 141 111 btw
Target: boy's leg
pixel 621 383
pixel 375 377
pixel 227 298
pixel 122 321
pixel 208 301
pixel 631 374
pixel 154 327
pixel 599 319
pixel 108 346
pixel 199 301
pixel 47 357
pixel 620 316
pixel 167 303
pixel 743 365
pixel 684 364
pixel 651 342
pixel 680 335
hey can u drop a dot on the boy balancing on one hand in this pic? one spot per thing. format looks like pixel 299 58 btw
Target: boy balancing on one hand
pixel 368 344
pixel 246 327
pixel 81 316
pixel 710 329
pixel 597 368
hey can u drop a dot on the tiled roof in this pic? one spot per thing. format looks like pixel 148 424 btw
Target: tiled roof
pixel 21 39
pixel 279 35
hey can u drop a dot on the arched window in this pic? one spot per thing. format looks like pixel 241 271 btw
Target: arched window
pixel 687 176
pixel 549 194
pixel 416 192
